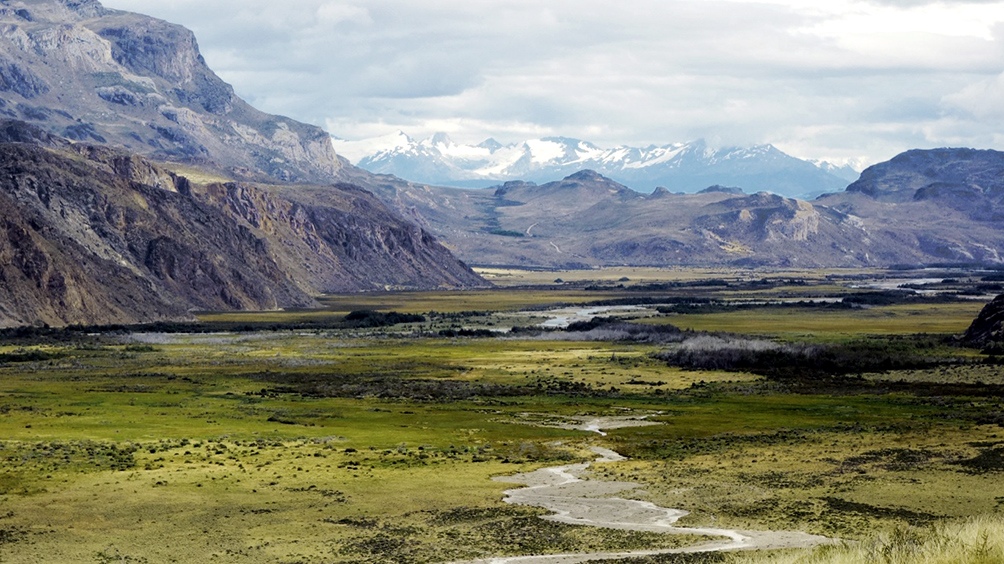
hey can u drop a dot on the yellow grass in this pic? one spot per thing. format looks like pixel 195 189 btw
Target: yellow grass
pixel 950 318
pixel 977 540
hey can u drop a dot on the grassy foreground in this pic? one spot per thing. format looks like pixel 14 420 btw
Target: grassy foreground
pixel 343 445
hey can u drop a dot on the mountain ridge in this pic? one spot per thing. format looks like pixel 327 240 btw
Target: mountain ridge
pixel 137 186
pixel 588 220
pixel 93 74
pixel 685 167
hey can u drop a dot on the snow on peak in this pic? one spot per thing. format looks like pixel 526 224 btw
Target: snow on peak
pixel 681 166
pixel 355 151
pixel 545 150
pixel 490 144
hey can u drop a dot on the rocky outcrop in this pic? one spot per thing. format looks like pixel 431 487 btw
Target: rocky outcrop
pixel 93 235
pixel 92 74
pixel 987 330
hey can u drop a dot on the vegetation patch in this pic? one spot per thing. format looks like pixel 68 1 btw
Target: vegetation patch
pixel 800 360
pixel 867 510
pixel 988 460
pixel 299 437
pixel 370 318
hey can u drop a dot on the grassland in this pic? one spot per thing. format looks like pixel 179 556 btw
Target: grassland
pixel 379 445
pixel 834 324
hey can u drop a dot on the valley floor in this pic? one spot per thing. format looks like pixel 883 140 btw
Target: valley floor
pixel 297 437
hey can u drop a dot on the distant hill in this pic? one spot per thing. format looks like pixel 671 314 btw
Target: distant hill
pixel 681 167
pixel 590 220
pixel 967 180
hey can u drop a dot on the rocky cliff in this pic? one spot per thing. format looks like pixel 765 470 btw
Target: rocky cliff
pixel 104 76
pixel 90 234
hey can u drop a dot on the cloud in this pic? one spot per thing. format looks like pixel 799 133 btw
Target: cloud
pixel 845 79
pixel 982 100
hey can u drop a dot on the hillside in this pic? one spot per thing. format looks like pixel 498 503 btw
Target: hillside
pixel 590 220
pixel 967 180
pixel 93 235
pixel 137 186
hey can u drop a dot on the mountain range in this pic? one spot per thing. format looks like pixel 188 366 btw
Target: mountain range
pixel 923 207
pixel 681 167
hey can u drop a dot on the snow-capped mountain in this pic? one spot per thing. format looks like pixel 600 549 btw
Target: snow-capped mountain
pixel 680 167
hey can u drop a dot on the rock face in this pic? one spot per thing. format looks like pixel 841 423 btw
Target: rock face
pixel 93 235
pixel 96 75
pixel 987 330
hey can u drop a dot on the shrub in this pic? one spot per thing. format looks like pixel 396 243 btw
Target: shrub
pixel 769 358
pixel 370 318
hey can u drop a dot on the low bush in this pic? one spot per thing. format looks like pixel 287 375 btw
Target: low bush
pixel 370 318
pixel 792 360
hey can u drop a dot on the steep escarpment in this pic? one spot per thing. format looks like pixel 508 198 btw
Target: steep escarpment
pixel 104 76
pixel 93 235
pixel 100 106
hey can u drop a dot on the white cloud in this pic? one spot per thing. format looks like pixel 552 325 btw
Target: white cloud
pixel 983 100
pixel 845 79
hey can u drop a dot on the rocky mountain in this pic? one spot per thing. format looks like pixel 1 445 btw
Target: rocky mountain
pixel 681 167
pixel 104 76
pixel 946 203
pixel 912 215
pixel 137 186
pixel 90 234
pixel 968 180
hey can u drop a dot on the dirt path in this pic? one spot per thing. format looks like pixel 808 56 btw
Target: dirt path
pixel 574 500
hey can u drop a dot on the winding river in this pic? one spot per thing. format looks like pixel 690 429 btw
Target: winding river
pixel 577 501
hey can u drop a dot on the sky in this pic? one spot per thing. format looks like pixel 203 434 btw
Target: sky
pixel 848 81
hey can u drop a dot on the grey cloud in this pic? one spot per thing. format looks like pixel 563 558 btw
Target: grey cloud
pixel 641 72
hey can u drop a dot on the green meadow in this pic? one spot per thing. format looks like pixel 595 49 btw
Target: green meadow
pixel 379 444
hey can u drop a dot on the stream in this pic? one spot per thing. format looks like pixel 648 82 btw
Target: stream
pixel 578 501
